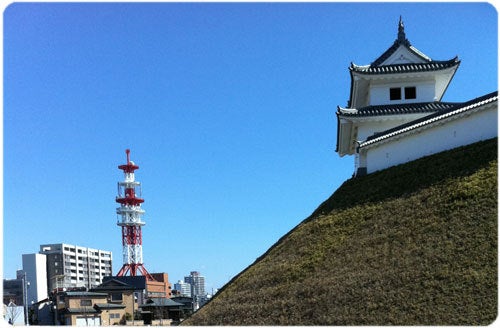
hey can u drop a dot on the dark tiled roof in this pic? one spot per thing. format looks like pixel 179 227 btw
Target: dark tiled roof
pixel 396 109
pixel 139 282
pixel 85 294
pixel 427 64
pixel 406 68
pixel 113 284
pixel 109 306
pixel 455 110
pixel 159 302
pixel 80 310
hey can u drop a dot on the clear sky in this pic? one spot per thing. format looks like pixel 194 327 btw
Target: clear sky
pixel 228 109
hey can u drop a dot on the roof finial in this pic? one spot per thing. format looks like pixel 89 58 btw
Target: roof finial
pixel 401 30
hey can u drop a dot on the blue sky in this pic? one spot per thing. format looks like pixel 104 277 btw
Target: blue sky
pixel 228 109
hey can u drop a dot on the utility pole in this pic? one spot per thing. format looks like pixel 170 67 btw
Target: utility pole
pixel 25 298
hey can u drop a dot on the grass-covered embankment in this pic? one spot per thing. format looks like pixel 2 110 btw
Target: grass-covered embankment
pixel 415 244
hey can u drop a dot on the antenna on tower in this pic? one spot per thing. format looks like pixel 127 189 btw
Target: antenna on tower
pixel 127 151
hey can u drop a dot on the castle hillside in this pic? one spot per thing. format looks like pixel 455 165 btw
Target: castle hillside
pixel 412 239
pixel 395 113
pixel 414 244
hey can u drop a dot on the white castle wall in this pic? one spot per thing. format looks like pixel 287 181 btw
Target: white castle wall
pixel 461 131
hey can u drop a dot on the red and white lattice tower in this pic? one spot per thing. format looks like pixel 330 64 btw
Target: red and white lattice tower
pixel 129 193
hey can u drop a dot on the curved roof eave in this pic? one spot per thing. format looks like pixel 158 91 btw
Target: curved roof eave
pixel 431 66
pixel 451 78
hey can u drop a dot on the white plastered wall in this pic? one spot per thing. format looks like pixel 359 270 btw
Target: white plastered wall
pixel 473 127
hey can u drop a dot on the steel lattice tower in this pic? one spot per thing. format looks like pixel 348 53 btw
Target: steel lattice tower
pixel 129 193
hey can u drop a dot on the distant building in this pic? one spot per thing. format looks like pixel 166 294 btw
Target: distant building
pixel 13 291
pixel 183 288
pixel 144 288
pixel 75 266
pixel 197 283
pixel 160 287
pixel 395 114
pixel 35 266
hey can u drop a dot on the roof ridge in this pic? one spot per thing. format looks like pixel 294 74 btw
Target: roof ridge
pixel 401 40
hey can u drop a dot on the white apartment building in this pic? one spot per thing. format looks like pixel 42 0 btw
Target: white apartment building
pixel 76 266
pixel 197 282
pixel 183 287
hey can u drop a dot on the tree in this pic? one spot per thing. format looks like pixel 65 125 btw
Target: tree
pixel 13 312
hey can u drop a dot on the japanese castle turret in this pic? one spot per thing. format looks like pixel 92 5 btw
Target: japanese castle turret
pixel 395 114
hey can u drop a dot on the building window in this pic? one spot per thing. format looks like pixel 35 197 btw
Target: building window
pixel 395 93
pixel 85 302
pixel 410 92
pixel 116 297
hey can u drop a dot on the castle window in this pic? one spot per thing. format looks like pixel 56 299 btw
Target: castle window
pixel 395 93
pixel 410 92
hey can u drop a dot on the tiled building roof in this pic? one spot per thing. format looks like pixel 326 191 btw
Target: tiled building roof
pixel 405 68
pixel 441 115
pixel 85 294
pixel 397 109
pixel 427 64
pixel 108 306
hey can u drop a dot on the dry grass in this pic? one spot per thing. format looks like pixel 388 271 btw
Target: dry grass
pixel 412 245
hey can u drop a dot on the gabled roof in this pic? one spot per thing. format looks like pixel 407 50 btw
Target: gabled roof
pixel 113 284
pixel 431 119
pixel 160 302
pixel 400 63
pixel 421 62
pixel 108 306
pixel 79 310
pixel 400 41
pixel 139 282
pixel 85 294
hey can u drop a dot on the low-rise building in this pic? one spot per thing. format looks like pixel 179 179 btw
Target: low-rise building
pixel 82 308
pixel 120 293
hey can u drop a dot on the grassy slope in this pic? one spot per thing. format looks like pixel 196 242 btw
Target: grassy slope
pixel 413 244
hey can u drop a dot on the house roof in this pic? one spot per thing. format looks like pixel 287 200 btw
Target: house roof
pixel 85 294
pixel 109 306
pixel 397 109
pixel 80 310
pixel 160 302
pixel 430 119
pixel 139 282
pixel 114 284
